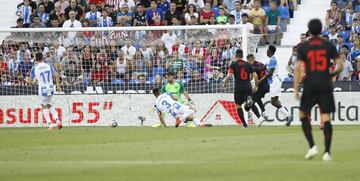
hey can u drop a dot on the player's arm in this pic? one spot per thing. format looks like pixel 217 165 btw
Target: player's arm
pixel 270 74
pixel 256 79
pixel 57 78
pixel 297 77
pixel 161 118
pixel 227 78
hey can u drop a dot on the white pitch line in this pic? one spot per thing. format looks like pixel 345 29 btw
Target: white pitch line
pixel 97 162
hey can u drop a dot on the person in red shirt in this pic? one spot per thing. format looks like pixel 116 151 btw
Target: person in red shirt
pixel 3 64
pixel 206 14
pixel 98 74
pixel 157 22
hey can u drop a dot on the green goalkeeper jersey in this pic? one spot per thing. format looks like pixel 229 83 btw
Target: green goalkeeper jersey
pixel 176 89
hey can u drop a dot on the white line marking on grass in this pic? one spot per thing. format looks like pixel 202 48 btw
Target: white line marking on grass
pixel 102 162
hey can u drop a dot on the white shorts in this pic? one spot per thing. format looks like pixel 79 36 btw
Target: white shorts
pixel 275 87
pixel 45 100
pixel 185 112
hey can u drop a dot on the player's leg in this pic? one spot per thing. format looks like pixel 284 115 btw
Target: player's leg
pixel 306 104
pixel 327 106
pixel 275 91
pixel 239 97
pixel 47 109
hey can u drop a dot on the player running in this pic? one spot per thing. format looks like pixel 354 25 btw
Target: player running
pixel 43 73
pixel 275 82
pixel 165 103
pixel 242 72
pixel 317 53
pixel 263 88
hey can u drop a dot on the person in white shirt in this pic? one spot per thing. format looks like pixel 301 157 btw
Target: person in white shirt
pixel 129 50
pixel 245 21
pixel 169 40
pixel 24 12
pixel 93 15
pixel 43 73
pixel 72 23
pixel 199 4
pixel 165 103
pixel 238 12
pixel 130 3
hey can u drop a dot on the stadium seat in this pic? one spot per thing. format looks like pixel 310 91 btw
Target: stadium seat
pixel 76 93
pixel 130 92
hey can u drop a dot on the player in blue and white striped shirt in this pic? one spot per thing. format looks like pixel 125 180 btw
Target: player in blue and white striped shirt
pixel 274 80
pixel 43 73
pixel 24 12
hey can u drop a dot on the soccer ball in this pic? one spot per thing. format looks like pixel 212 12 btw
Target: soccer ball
pixel 113 123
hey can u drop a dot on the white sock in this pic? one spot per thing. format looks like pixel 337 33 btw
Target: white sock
pixel 54 114
pixel 46 114
pixel 284 111
pixel 196 122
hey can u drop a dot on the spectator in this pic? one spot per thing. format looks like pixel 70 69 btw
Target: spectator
pixel 99 73
pixel 54 23
pixel 303 38
pixel 86 62
pixel 238 12
pixel 105 21
pixel 347 71
pixel 180 77
pixel 332 34
pixel 74 7
pixel 130 3
pixel 24 12
pixel 70 56
pixel 198 52
pixel 139 16
pixel 174 63
pixel 333 15
pixel 43 16
pixel 191 11
pixel 13 64
pixel 63 5
pixel 196 77
pixel 169 40
pixel 346 50
pixel 48 5
pixel 272 23
pixel 125 15
pixel 26 65
pixel 146 52
pixel 93 15
pixel 199 4
pixel 5 80
pixel 181 5
pixel 36 23
pixel 58 15
pixel 213 64
pixel 284 13
pixel 129 50
pixel 59 50
pixel 3 64
pixel 154 11
pixel 64 39
pixel 350 15
pixel 357 74
pixel 164 5
pixel 292 61
pixel 245 21
pixel 222 18
pixel 257 17
pixel 157 22
pixel 206 14
pixel 72 76
pixel 72 23
pixel 53 59
pixel 140 65
pixel 120 66
pixel 339 43
pixel 157 81
pixel 19 23
pixel 21 52
pixel 171 13
pixel 32 4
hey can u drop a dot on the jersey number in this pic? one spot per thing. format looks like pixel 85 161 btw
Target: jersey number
pixel 318 61
pixel 243 74
pixel 45 75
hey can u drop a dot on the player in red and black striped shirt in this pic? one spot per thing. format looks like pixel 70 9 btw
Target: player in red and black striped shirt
pixel 316 54
pixel 243 72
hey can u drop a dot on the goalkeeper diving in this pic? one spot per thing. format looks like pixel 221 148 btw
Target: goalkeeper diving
pixel 166 103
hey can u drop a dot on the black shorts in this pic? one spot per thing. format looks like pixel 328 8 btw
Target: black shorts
pixel 262 90
pixel 241 95
pixel 324 98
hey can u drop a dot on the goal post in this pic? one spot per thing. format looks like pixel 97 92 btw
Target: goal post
pixel 126 60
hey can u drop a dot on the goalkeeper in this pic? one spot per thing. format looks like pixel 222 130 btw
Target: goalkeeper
pixel 177 89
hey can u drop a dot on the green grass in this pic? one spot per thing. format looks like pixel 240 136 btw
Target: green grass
pixel 134 153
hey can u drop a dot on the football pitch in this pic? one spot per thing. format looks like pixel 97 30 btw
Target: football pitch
pixel 143 153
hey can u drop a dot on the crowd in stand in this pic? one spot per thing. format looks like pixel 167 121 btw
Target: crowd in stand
pixel 137 57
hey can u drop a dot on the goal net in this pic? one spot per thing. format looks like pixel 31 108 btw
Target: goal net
pixel 126 60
